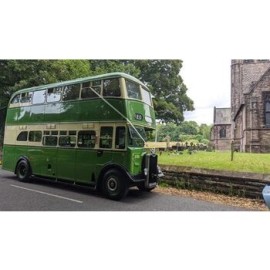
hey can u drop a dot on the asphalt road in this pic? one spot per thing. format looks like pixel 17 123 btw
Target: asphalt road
pixel 44 195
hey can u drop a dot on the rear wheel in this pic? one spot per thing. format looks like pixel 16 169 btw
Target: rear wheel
pixel 23 171
pixel 114 185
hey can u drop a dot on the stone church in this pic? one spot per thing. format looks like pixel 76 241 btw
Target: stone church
pixel 250 109
pixel 221 130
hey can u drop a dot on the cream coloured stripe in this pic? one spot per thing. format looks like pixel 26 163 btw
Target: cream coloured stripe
pixel 48 194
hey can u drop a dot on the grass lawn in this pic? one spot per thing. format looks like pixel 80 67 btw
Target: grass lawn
pixel 242 162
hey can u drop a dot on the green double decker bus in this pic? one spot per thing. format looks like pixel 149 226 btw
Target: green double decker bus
pixel 88 131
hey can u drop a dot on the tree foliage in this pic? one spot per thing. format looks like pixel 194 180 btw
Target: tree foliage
pixel 167 86
pixel 106 66
pixel 161 76
pixel 19 74
pixel 186 131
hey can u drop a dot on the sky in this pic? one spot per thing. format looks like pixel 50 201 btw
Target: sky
pixel 206 35
pixel 208 84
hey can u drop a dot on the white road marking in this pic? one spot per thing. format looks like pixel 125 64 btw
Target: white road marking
pixel 48 194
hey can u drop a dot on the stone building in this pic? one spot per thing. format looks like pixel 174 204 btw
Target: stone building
pixel 221 130
pixel 250 105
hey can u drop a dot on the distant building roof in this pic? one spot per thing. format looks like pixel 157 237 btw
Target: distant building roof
pixel 222 116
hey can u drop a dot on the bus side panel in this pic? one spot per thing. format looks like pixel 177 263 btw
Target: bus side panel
pixel 86 160
pixel 88 110
pixel 66 163
pixel 9 162
pixel 18 115
pixel 25 115
pixel 35 156
pixel 12 154
pixel 37 114
pixel 69 111
pixel 52 111
pixel 48 162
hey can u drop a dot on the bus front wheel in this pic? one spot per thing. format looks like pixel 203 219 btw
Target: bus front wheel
pixel 114 186
pixel 23 171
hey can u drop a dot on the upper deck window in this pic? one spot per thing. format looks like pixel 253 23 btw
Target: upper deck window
pixel 54 94
pixel 39 97
pixel 26 97
pixel 21 99
pixel 87 91
pixel 111 88
pixel 146 97
pixel 133 90
pixel 71 92
pixel 16 99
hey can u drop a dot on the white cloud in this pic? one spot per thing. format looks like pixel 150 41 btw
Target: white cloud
pixel 208 83
pixel 201 116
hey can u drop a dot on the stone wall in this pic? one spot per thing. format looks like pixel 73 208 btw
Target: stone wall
pixel 249 185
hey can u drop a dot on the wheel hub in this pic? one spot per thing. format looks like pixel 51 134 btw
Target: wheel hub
pixel 112 184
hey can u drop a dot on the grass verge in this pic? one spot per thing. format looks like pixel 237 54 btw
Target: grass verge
pixel 242 162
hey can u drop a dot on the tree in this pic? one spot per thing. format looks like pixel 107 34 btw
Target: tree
pixel 19 74
pixel 205 130
pixel 186 131
pixel 189 127
pixel 167 87
pixel 163 79
pixel 106 66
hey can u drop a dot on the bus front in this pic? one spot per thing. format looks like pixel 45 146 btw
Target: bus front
pixel 143 165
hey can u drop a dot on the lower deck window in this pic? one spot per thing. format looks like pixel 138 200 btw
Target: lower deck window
pixel 67 141
pixel 35 136
pixel 50 140
pixel 22 137
pixel 120 138
pixel 106 134
pixel 87 138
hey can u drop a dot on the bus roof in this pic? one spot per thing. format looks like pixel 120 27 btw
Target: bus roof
pixel 81 80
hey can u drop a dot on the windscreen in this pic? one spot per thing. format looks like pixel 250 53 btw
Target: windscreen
pixel 136 136
pixel 146 97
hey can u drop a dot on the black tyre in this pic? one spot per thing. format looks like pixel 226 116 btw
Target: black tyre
pixel 114 185
pixel 23 171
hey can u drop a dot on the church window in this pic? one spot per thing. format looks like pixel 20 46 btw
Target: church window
pixel 222 133
pixel 267 110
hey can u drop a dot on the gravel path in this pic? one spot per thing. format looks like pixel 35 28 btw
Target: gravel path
pixel 252 204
